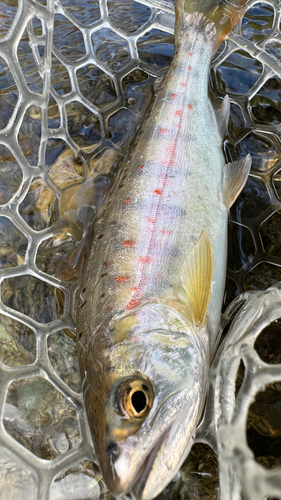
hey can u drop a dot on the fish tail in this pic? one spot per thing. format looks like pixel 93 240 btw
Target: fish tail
pixel 215 17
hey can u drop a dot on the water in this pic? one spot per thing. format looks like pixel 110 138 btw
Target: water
pixel 57 183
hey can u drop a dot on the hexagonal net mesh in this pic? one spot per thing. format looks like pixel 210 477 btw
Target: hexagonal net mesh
pixel 77 78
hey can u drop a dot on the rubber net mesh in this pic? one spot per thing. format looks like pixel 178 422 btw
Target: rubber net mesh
pixel 76 80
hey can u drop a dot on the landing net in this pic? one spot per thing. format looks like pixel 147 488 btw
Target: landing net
pixel 76 80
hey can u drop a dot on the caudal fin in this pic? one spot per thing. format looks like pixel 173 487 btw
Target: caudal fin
pixel 218 16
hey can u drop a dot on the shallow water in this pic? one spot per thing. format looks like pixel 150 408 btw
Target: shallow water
pixel 50 235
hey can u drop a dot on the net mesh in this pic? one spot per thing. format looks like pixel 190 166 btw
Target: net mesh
pixel 76 80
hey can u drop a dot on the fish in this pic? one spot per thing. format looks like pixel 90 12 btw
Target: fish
pixel 149 304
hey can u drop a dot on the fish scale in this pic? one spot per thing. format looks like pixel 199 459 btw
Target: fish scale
pixel 173 196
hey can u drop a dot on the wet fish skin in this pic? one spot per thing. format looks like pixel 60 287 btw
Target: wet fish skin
pixel 144 322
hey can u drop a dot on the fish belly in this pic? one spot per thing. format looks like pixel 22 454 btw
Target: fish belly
pixel 167 193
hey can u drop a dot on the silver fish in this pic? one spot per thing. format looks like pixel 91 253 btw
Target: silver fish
pixel 150 301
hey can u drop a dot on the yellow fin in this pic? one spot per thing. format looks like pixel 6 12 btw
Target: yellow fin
pixel 196 277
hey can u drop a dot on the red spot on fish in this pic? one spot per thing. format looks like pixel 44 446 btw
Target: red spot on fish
pixel 175 66
pixel 178 112
pixel 183 84
pixel 179 45
pixel 189 68
pixel 163 130
pixel 190 54
pixel 132 303
pixel 122 279
pixel 151 220
pixel 145 259
pixel 173 96
pixel 126 201
pixel 172 147
pixel 190 107
pixel 128 243
pixel 140 167
pixel 157 191
pixel 168 163
pixel 166 232
pixel 109 309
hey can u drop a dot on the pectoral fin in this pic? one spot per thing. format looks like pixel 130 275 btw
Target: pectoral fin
pixel 196 277
pixel 234 179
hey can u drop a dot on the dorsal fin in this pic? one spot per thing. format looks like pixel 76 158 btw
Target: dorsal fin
pixel 196 277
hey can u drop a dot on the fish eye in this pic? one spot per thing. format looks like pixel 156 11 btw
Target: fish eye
pixel 137 397
pixel 139 400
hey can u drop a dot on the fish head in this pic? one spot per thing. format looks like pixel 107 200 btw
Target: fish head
pixel 144 403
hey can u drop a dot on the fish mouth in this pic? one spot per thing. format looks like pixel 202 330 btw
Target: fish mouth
pixel 146 466
pixel 121 478
pixel 166 455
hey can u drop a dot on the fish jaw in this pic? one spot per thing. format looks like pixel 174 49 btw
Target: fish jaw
pixel 145 464
pixel 176 442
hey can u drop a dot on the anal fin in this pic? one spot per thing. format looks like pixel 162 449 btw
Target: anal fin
pixel 235 176
pixel 196 278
